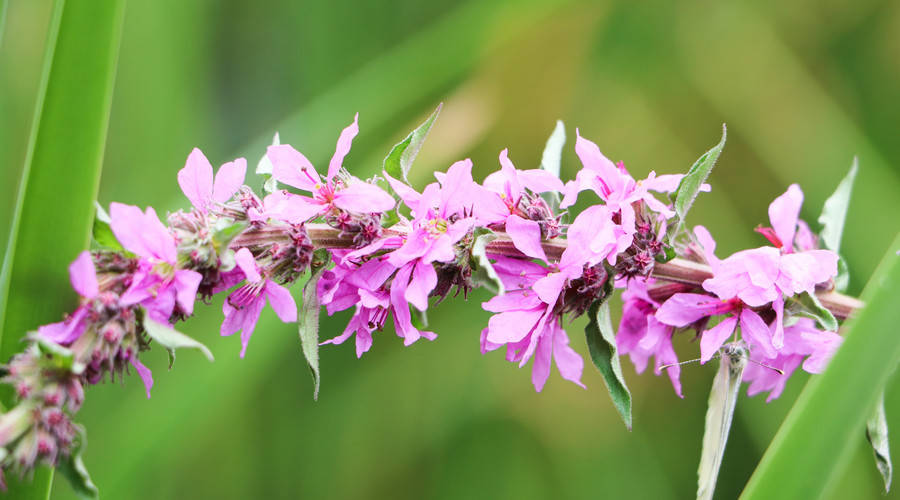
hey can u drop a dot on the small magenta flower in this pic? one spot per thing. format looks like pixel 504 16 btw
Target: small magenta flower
pixel 641 335
pixel 615 186
pixel 158 284
pixel 348 193
pixel 83 277
pixel 508 203
pixel 243 306
pixel 804 345
pixel 528 326
pixel 205 192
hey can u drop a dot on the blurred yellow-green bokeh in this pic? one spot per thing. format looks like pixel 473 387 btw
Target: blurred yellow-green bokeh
pixel 803 86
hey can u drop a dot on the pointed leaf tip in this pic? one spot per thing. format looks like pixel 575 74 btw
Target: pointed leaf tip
pixel 601 341
pixel 399 161
pixel 690 185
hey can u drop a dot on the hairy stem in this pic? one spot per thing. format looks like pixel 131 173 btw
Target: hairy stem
pixel 682 273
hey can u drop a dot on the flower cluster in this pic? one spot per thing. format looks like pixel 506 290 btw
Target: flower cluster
pixel 395 251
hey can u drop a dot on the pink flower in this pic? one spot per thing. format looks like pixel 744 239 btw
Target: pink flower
pixel 84 281
pixel 158 284
pixel 342 192
pixel 803 344
pixel 506 202
pixel 365 286
pixel 641 335
pixel 528 326
pixel 196 181
pixel 244 305
pixel 615 186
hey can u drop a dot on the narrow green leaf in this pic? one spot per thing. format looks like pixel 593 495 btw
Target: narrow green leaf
pixel 102 232
pixel 309 318
pixel 224 231
pixel 689 187
pixel 808 305
pixel 813 444
pixel 398 162
pixel 418 318
pixel 877 434
pixel 551 160
pixel 834 215
pixel 60 176
pixel 172 339
pixel 834 212
pixel 601 341
pixel 73 469
pixel 483 272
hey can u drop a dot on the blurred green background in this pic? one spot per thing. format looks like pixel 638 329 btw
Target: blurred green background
pixel 803 86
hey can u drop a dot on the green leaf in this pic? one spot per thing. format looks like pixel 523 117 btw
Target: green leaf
pixel 102 232
pixel 877 434
pixel 172 339
pixel 61 171
pixel 825 423
pixel 418 318
pixel 601 341
pixel 57 357
pixel 398 162
pixel 807 305
pixel 72 467
pixel 483 272
pixel 224 231
pixel 309 318
pixel 689 187
pixel 551 160
pixel 834 215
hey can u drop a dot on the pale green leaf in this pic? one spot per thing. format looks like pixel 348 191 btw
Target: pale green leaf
pixel 398 162
pixel 601 341
pixel 807 305
pixel 877 434
pixel 551 160
pixel 833 218
pixel 483 272
pixel 72 467
pixel 309 318
pixel 171 338
pixel 690 185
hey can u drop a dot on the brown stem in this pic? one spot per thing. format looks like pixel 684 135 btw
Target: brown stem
pixel 676 271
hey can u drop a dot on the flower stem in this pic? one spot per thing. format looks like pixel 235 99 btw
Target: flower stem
pixel 677 270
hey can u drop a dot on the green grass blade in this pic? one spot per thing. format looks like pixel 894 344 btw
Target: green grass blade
pixel 828 419
pixel 54 208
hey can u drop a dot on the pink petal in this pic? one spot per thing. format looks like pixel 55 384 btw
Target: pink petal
pixel 343 147
pixel 663 183
pixel 196 180
pixel 549 287
pixel 400 307
pixel 247 263
pixel 126 222
pixel 512 326
pixel 540 370
pixel 229 179
pixel 144 373
pixel 234 318
pixel 282 302
pixel 682 309
pixel 540 181
pixel 783 214
pixel 510 175
pixel 409 195
pixel 593 159
pixel 292 168
pixel 362 197
pixel 251 317
pixel 292 208
pixel 186 283
pixel 157 238
pixel 709 246
pixel 778 336
pixel 755 331
pixel 83 276
pixel 526 236
pixel 712 339
pixel 457 190
pixel 568 362
pixel 424 279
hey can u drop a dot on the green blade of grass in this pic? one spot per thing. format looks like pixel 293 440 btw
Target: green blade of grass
pixel 827 421
pixel 54 208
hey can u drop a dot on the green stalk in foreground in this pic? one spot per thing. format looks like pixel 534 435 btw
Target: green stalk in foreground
pixel 60 176
pixel 813 445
